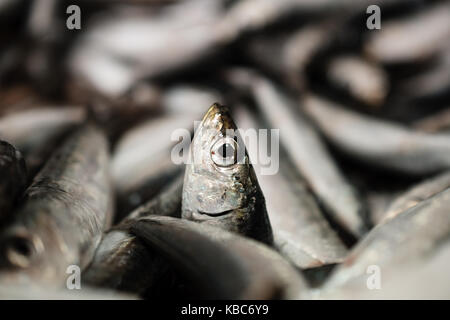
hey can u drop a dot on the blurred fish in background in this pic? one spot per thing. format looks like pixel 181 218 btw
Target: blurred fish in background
pixel 97 97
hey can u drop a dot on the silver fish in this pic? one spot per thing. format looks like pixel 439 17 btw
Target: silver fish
pixel 221 264
pixel 63 215
pixel 379 142
pixel 220 186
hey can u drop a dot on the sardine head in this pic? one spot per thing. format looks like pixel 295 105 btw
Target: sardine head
pixel 220 186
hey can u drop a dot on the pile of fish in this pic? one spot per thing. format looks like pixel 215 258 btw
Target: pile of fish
pixel 105 195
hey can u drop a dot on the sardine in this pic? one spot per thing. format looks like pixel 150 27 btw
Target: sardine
pixel 220 186
pixel 381 143
pixel 13 178
pixel 408 237
pixel 309 155
pixel 301 233
pixel 221 264
pixel 63 215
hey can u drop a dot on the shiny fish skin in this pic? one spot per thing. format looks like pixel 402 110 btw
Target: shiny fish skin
pixel 13 178
pixel 225 196
pixel 381 143
pixel 301 233
pixel 63 215
pixel 221 264
pixel 417 194
pixel 310 155
pixel 122 261
pixel 408 237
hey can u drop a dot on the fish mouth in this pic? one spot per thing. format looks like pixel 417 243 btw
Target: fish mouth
pixel 201 215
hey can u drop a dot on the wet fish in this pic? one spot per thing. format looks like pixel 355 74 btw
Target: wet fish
pixel 220 186
pixel 309 154
pixel 417 194
pixel 408 237
pixel 122 261
pixel 301 233
pixel 13 178
pixel 63 215
pixel 381 143
pixel 220 264
pixel 394 43
pixel 361 79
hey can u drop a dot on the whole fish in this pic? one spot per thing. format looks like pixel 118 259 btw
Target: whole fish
pixel 220 186
pixel 218 263
pixel 301 232
pixel 13 178
pixel 430 30
pixel 122 261
pixel 63 215
pixel 381 143
pixel 417 194
pixel 307 151
pixel 408 237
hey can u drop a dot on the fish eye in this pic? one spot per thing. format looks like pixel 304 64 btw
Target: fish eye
pixel 224 152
